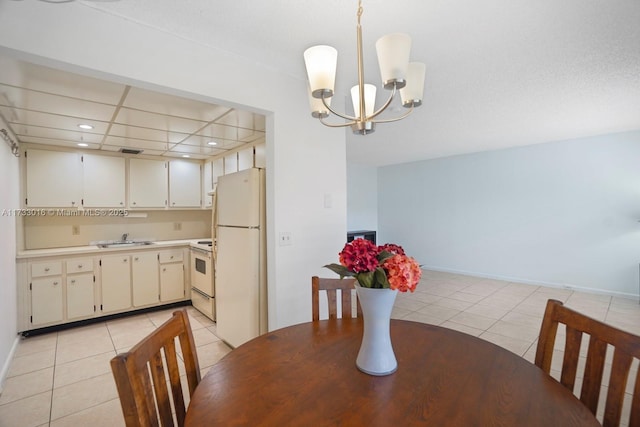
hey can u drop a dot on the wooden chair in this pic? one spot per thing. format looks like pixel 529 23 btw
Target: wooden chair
pixel 331 286
pixel 140 393
pixel 626 347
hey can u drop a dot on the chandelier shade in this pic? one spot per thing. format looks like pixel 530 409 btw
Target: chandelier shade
pixel 396 72
pixel 393 56
pixel 321 62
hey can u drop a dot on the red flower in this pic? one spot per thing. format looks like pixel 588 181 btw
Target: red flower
pixel 359 256
pixel 393 248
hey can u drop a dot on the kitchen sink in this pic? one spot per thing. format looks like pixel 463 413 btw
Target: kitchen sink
pixel 123 244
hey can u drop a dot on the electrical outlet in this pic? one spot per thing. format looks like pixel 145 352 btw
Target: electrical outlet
pixel 177 226
pixel 75 230
pixel 286 239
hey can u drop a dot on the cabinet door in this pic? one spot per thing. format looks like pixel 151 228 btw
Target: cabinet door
pixel 207 184
pixel 115 280
pixel 218 169
pixel 144 273
pixel 80 300
pixel 245 159
pixel 46 300
pixel 147 183
pixel 54 179
pixel 260 156
pixel 231 163
pixel 171 281
pixel 184 184
pixel 103 181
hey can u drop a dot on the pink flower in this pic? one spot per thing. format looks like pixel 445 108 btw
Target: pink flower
pixel 403 273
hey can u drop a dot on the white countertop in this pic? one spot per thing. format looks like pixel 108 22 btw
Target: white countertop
pixel 92 249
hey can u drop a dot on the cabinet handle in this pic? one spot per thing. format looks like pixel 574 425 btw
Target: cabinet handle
pixel 79 266
pixel 164 269
pixel 133 203
pixel 121 203
pixel 55 283
pixel 135 259
pixel 171 257
pixel 73 203
pixel 73 281
pixel 124 260
pixel 46 269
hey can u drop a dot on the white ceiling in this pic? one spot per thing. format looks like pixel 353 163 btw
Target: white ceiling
pixel 500 73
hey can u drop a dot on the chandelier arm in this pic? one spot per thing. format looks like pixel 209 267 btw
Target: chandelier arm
pixel 395 119
pixel 337 125
pixel 344 116
pixel 384 107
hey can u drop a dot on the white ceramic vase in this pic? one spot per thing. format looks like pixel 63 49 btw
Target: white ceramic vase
pixel 376 355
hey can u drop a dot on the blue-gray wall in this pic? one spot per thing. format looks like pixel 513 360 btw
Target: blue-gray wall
pixel 562 213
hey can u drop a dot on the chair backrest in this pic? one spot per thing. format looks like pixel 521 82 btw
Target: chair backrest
pixel 331 287
pixel 140 393
pixel 626 347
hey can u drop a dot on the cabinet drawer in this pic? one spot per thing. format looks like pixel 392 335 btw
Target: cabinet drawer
pixel 43 269
pixel 79 265
pixel 170 256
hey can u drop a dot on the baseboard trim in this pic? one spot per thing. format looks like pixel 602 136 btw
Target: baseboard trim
pixel 7 362
pixel 533 282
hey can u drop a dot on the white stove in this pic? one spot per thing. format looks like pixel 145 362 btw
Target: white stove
pixel 203 277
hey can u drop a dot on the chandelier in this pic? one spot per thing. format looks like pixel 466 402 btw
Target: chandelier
pixel 398 75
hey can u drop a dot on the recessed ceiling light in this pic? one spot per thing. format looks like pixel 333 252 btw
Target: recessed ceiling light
pixel 82 144
pixel 84 126
pixel 212 143
pixel 186 155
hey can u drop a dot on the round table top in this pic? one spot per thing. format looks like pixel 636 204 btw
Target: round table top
pixel 305 375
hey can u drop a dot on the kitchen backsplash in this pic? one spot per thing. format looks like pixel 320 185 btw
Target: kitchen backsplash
pixel 54 231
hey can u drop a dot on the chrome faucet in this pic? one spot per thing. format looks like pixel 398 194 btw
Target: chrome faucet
pixel 124 237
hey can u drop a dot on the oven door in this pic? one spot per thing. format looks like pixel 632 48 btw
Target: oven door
pixel 202 271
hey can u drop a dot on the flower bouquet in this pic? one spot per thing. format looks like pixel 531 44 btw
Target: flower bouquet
pixel 378 267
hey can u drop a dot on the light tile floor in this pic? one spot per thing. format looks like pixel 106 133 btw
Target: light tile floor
pixel 64 378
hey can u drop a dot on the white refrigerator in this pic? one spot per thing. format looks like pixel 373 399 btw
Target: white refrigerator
pixel 240 258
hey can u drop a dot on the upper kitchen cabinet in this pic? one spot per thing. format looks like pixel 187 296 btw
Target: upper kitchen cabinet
pixel 217 169
pixel 184 184
pixel 54 179
pixel 260 156
pixel 231 163
pixel 104 181
pixel 207 184
pixel 245 159
pixel 148 183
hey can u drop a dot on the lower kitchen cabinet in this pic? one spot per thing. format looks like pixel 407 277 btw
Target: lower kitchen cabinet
pixel 171 275
pixel 59 289
pixel 46 300
pixel 80 296
pixel 115 280
pixel 144 274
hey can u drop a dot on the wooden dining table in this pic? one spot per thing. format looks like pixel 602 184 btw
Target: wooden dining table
pixel 305 375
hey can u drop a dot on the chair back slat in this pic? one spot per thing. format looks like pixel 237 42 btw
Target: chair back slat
pixel 626 349
pixel 143 373
pixel 331 287
pixel 593 370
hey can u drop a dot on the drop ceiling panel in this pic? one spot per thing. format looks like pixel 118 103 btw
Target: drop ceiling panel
pixel 56 142
pixel 193 149
pixel 44 102
pixel 137 143
pixel 243 119
pixel 25 132
pixel 160 103
pixel 128 116
pixel 34 77
pixel 145 152
pixel 199 141
pixel 215 130
pixel 136 132
pixel 53 121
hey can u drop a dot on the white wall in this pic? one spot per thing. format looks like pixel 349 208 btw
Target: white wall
pixel 561 213
pixel 80 39
pixel 362 197
pixel 9 200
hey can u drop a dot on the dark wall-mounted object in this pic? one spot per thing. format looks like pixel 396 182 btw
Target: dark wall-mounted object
pixel 365 234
